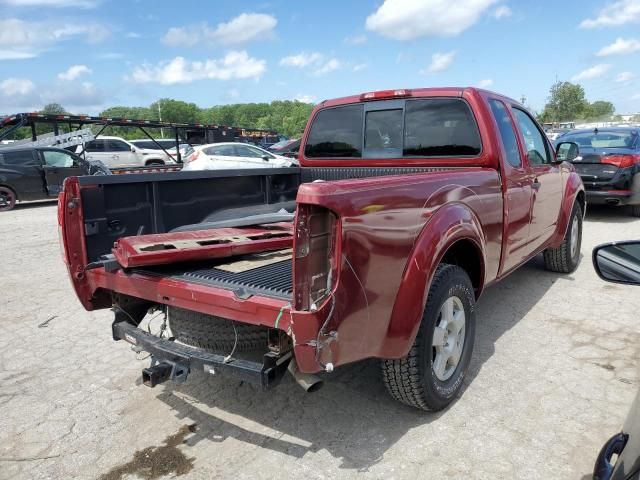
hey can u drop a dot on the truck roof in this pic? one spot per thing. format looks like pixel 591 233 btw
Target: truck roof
pixel 408 93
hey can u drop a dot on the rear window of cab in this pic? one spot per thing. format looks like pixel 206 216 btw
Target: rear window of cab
pixel 432 127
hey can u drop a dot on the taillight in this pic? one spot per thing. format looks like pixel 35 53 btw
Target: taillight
pixel 621 161
pixel 316 256
pixel 381 94
pixel 192 157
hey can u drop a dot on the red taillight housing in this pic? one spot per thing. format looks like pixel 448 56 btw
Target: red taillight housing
pixel 621 161
pixel 384 94
pixel 315 256
pixel 192 157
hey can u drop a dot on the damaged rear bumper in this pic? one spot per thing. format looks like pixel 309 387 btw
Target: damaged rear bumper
pixel 174 361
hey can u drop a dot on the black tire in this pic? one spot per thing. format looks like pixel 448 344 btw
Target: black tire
pixel 412 379
pixel 8 198
pixel 214 334
pixel 560 259
pixel 635 210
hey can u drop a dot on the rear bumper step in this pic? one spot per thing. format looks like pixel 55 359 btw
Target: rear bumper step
pixel 174 361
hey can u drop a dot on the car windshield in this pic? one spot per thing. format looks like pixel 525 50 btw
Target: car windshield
pixel 149 145
pixel 607 139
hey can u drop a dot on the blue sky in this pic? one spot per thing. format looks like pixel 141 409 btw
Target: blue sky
pixel 91 54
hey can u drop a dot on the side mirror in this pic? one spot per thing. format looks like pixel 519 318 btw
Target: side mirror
pixel 618 262
pixel 567 152
pixel 133 149
pixel 266 157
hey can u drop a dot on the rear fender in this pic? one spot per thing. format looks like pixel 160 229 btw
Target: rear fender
pixel 450 224
pixel 573 189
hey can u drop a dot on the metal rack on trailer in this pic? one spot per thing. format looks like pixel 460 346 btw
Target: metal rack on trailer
pixel 191 133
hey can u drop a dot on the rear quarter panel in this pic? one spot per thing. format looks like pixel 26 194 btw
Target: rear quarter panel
pixel 394 232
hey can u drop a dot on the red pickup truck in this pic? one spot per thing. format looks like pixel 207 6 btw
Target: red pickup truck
pixel 406 206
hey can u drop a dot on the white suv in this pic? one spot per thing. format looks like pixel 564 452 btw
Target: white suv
pixel 117 152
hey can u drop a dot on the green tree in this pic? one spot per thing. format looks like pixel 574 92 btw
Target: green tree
pixel 174 111
pixel 599 110
pixel 53 109
pixel 566 102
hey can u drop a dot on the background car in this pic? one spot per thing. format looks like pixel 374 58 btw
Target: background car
pixel 117 152
pixel 608 161
pixel 620 263
pixel 221 156
pixel 286 148
pixel 37 173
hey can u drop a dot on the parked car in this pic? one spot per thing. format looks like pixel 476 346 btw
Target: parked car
pixel 407 205
pixel 608 161
pixel 620 263
pixel 223 156
pixel 37 173
pixel 117 152
pixel 286 148
pixel 148 144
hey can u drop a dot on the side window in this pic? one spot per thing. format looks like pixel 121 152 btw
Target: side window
pixel 534 143
pixel 244 151
pixel 57 159
pixel 336 133
pixel 507 132
pixel 94 146
pixel 221 150
pixel 23 158
pixel 117 146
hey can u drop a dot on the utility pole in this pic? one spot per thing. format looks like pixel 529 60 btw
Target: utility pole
pixel 160 117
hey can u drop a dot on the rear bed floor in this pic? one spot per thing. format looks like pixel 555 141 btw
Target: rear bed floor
pixel 272 280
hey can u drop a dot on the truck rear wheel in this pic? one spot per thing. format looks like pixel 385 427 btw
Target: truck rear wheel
pixel 566 257
pixel 214 334
pixel 432 373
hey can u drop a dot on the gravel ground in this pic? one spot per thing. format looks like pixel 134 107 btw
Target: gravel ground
pixel 553 374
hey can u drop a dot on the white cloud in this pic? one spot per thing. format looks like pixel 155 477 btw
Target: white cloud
pixel 111 56
pixel 359 66
pixel 635 96
pixel 328 66
pixel 16 86
pixel 21 94
pixel 302 59
pixel 440 61
pixel 133 35
pixel 591 72
pixel 486 83
pixel 620 47
pixel 503 11
pixel 409 19
pixel 21 39
pixel 234 65
pixel 74 72
pixel 614 14
pixel 356 40
pixel 244 28
pixel 233 93
pixel 305 98
pixel 320 64
pixel 51 3
pixel 625 77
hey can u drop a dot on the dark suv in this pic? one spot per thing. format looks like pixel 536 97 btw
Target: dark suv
pixel 608 161
pixel 37 173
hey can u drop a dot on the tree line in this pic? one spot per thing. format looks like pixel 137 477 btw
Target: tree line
pixel 287 117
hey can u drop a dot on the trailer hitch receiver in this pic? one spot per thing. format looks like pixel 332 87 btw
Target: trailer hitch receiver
pixel 160 372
